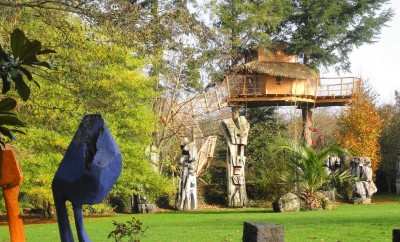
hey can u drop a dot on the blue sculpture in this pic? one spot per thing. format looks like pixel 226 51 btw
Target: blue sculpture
pixel 89 169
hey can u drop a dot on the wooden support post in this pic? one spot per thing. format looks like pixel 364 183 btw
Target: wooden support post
pixel 307 124
pixel 218 98
pixel 262 232
pixel 396 235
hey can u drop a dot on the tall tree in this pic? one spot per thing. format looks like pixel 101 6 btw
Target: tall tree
pixel 325 32
pixel 242 26
pixel 360 127
pixel 94 75
pixel 265 166
pixel 390 144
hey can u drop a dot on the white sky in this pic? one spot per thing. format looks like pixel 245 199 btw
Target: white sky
pixel 379 62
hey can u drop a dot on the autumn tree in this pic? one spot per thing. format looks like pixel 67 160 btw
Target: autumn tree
pixel 360 127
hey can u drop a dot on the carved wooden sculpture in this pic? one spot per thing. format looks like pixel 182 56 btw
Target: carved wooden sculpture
pixel 89 169
pixel 193 163
pixel 187 193
pixel 10 181
pixel 236 130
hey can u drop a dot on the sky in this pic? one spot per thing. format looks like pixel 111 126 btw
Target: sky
pixel 379 62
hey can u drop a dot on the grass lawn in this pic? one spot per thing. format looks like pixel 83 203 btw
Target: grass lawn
pixel 347 223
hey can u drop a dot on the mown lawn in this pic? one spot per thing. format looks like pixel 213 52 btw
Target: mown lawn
pixel 347 223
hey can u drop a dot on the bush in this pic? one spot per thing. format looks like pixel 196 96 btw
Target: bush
pixel 101 209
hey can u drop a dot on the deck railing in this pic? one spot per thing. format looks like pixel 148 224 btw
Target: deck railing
pixel 338 87
pixel 246 86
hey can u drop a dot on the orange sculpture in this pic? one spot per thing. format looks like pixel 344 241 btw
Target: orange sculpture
pixel 10 181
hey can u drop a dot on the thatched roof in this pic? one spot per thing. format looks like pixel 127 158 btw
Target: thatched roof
pixel 282 69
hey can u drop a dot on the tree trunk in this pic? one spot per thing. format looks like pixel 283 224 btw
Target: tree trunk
pixel 307 124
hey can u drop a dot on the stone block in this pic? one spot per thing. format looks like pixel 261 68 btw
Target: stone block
pixel 262 232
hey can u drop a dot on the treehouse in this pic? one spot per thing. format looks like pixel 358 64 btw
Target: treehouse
pixel 278 79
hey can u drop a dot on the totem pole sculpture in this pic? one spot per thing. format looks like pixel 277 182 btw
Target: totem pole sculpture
pixel 187 193
pixel 193 163
pixel 10 181
pixel 236 130
pixel 364 187
pixel 89 169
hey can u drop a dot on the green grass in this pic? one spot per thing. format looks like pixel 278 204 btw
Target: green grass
pixel 347 223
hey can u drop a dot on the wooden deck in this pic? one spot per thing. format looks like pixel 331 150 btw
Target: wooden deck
pixel 289 100
pixel 336 92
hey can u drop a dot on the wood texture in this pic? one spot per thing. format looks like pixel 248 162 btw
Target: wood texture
pixel 236 130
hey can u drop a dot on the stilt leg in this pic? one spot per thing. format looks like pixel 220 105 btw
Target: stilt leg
pixel 62 217
pixel 80 229
pixel 15 223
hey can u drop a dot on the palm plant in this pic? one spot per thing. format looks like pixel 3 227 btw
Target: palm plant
pixel 309 172
pixel 9 122
pixel 15 68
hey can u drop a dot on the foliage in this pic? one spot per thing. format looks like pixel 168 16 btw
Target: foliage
pixel 389 143
pixel 131 230
pixel 217 225
pixel 94 75
pixel 308 169
pixel 100 209
pixel 9 122
pixel 325 32
pixel 360 127
pixel 265 167
pixel 245 25
pixel 15 68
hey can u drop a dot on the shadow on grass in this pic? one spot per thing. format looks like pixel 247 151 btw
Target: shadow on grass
pixel 222 211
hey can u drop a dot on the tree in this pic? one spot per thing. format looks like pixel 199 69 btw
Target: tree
pixel 93 75
pixel 389 143
pixel 264 166
pixel 325 32
pixel 240 27
pixel 360 127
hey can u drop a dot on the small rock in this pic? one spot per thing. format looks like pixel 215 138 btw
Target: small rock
pixel 289 202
